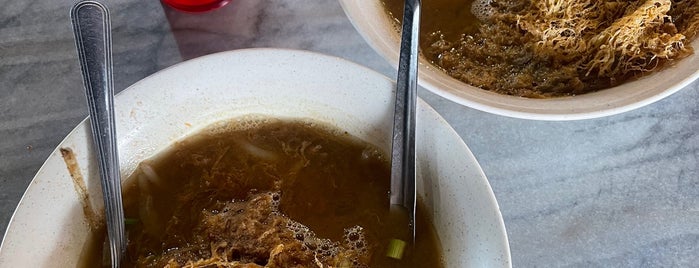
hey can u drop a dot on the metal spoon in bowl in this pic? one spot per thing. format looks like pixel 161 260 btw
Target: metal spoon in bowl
pixel 403 191
pixel 91 27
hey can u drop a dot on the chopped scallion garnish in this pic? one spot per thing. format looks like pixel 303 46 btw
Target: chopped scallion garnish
pixel 396 247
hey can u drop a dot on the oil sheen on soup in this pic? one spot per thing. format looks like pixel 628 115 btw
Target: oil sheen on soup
pixel 261 192
pixel 542 49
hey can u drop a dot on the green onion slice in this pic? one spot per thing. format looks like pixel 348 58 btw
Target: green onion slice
pixel 130 221
pixel 396 247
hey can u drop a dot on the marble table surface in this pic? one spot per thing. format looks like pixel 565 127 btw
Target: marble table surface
pixel 619 191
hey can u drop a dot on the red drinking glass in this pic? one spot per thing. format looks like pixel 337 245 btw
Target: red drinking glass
pixel 195 5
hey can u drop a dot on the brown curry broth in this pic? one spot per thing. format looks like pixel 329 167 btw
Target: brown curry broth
pixel 453 19
pixel 344 183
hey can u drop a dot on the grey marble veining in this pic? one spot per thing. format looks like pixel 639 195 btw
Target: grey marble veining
pixel 620 191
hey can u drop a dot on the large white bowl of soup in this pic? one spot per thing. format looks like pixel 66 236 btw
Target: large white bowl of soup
pixel 537 69
pixel 260 157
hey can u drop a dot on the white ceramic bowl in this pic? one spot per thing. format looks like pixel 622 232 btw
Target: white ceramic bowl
pixel 48 228
pixel 377 28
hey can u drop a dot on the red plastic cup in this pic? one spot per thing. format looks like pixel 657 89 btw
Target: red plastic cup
pixel 195 5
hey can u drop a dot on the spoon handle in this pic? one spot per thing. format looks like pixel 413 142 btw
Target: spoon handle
pixel 91 27
pixel 403 190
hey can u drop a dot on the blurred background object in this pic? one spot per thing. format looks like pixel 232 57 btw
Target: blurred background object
pixel 196 5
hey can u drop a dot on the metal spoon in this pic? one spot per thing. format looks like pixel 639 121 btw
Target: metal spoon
pixel 403 190
pixel 91 27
